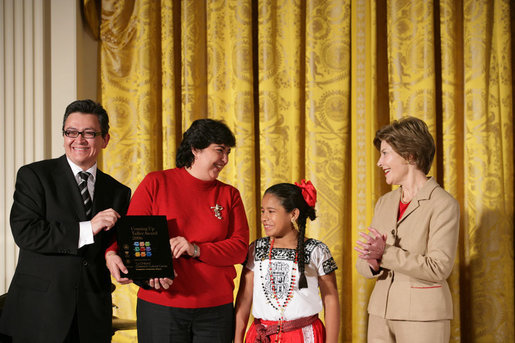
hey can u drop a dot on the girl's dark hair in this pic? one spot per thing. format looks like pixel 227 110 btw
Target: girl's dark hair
pixel 201 134
pixel 291 198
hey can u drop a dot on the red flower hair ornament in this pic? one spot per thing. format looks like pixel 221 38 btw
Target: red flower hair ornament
pixel 308 192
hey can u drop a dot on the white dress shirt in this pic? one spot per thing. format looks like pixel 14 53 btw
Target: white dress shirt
pixel 85 230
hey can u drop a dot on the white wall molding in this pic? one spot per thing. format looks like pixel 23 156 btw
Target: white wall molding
pixel 39 76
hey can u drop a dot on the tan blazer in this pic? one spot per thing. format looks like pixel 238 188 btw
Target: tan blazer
pixel 418 258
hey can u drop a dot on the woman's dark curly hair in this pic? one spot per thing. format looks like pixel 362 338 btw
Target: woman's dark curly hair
pixel 291 198
pixel 201 134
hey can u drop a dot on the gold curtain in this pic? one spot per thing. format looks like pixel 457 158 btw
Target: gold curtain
pixel 304 84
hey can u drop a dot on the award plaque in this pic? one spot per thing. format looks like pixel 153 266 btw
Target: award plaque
pixel 144 246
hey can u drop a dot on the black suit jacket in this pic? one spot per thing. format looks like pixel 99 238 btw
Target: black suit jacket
pixel 54 279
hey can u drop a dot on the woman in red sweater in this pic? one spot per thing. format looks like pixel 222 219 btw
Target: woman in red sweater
pixel 209 234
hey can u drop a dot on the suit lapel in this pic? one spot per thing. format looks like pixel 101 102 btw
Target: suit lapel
pixel 423 194
pixel 102 190
pixel 413 205
pixel 393 208
pixel 70 188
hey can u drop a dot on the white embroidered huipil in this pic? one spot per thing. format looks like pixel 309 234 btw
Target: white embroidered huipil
pixel 305 302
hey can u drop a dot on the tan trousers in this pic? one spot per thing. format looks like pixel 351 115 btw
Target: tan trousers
pixel 382 330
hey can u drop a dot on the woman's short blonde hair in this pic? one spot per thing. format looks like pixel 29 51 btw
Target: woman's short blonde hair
pixel 410 138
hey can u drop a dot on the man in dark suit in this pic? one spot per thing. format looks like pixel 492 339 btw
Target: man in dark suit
pixel 62 220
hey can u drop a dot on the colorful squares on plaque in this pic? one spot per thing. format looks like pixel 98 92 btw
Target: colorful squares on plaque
pixel 142 249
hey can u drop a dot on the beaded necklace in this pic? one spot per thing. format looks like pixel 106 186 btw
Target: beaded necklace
pixel 289 296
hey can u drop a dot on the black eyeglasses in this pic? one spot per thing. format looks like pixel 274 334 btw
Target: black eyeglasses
pixel 87 134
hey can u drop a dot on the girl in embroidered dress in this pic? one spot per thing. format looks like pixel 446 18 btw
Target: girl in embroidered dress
pixel 283 272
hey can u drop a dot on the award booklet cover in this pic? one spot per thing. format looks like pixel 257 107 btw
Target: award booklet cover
pixel 144 247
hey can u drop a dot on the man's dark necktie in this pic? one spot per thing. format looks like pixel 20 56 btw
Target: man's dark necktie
pixel 86 199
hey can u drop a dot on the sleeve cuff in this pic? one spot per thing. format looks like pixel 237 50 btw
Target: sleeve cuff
pixel 85 234
pixel 375 272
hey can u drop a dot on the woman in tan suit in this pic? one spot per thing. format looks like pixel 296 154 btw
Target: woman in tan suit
pixel 411 243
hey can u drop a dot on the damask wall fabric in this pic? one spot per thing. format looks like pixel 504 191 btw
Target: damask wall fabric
pixel 304 85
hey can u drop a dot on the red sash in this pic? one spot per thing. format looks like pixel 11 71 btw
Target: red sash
pixel 272 327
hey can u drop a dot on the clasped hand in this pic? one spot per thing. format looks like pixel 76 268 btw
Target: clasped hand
pixel 371 248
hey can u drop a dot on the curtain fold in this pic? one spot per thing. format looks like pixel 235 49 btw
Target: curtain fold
pixel 304 85
pixel 170 94
pixel 363 157
pixel 450 129
pixel 326 131
pixel 488 173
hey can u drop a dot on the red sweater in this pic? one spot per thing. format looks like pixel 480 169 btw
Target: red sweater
pixel 207 281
